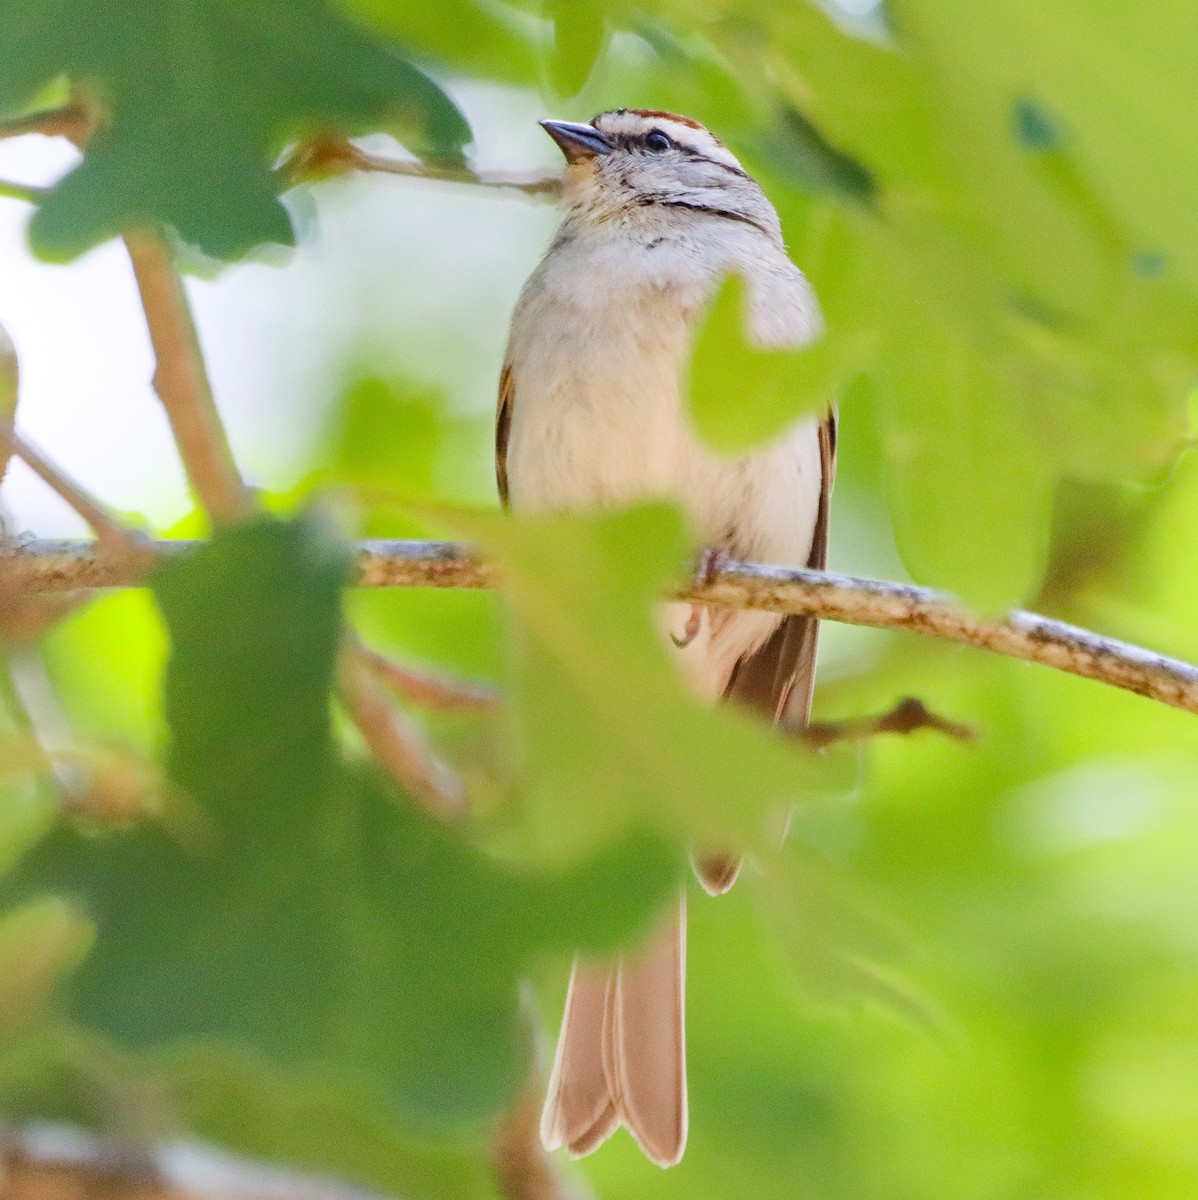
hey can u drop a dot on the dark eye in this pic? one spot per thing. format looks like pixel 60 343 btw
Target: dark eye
pixel 658 142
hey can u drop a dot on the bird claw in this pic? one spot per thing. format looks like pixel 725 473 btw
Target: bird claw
pixel 690 631
pixel 711 561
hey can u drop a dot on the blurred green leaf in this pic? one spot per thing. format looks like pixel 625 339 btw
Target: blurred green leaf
pixel 800 151
pixel 333 1131
pixel 840 945
pixel 197 97
pixel 387 436
pixel 580 34
pixel 468 36
pixel 107 660
pixel 742 395
pixel 254 619
pixel 603 732
pixel 959 523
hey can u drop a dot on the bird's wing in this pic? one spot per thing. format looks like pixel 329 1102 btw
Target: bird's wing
pixel 503 428
pixel 778 679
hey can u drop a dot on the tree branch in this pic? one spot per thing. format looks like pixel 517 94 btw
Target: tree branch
pixel 328 156
pixel 24 616
pixel 181 382
pixel 62 566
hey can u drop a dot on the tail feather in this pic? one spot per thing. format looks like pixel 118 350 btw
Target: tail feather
pixel 646 1032
pixel 621 1054
pixel 578 1112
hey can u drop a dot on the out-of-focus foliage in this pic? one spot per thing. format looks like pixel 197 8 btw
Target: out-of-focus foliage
pixel 603 732
pixel 725 365
pixel 256 908
pixel 276 951
pixel 193 98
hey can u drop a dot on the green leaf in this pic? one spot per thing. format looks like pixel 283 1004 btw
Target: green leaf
pixel 580 35
pixel 197 97
pixel 339 1132
pixel 840 945
pixel 604 734
pixel 469 37
pixel 387 436
pixel 969 483
pixel 742 395
pixel 254 619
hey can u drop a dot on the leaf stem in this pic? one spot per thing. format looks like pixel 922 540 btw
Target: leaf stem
pixel 432 689
pixel 396 740
pixel 21 191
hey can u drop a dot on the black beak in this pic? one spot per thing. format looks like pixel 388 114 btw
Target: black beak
pixel 577 142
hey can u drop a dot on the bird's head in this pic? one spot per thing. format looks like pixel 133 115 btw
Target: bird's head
pixel 657 163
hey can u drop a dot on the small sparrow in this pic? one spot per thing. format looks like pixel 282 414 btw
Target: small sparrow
pixel 592 415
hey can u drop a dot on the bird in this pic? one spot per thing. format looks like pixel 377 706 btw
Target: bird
pixel 592 416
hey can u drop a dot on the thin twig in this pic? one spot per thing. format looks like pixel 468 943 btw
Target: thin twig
pixel 181 381
pixel 103 524
pixel 63 566
pixel 327 156
pixel 432 689
pixel 907 716
pixel 397 741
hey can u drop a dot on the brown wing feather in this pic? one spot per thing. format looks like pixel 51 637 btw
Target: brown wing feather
pixel 778 680
pixel 503 429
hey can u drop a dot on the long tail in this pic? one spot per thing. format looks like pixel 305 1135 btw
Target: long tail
pixel 621 1053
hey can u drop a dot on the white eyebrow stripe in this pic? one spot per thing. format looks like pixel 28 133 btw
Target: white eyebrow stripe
pixel 699 141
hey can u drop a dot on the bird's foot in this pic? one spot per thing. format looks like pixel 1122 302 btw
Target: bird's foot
pixel 690 631
pixel 711 561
